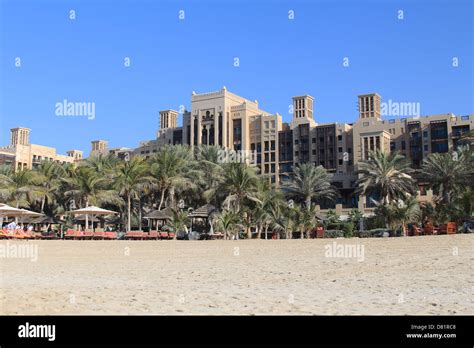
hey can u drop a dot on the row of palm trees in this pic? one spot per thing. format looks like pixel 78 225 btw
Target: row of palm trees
pixel 247 200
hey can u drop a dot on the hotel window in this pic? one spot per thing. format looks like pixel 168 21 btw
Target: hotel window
pixel 465 118
pixel 425 147
pixel 272 168
pixel 403 145
pixel 403 130
pixel 339 149
pixel 391 121
pixel 267 147
pixel 340 162
pixel 272 156
pixel 393 146
pixel 296 142
pixel 339 138
pixel 296 153
pixel 267 157
pixel 267 168
pixel 425 134
pixel 314 152
pixel 313 140
pixel 365 124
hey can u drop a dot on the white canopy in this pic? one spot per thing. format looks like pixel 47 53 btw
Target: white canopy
pixel 91 210
pixel 6 210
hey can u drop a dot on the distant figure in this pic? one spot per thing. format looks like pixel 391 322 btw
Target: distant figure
pixel 30 228
pixel 11 225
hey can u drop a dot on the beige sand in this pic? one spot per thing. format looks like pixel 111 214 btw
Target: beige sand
pixel 412 275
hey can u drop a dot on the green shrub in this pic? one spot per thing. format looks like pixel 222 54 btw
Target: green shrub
pixel 346 227
pixel 333 233
pixel 376 232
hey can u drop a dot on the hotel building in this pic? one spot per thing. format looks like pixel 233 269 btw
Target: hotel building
pixel 232 122
pixel 20 154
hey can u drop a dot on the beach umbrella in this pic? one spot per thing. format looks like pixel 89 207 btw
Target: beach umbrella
pixel 8 211
pixel 91 210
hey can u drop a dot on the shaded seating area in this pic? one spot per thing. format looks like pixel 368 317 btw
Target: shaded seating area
pixel 201 222
pixel 157 219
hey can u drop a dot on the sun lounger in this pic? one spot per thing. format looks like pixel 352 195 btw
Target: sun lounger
pixel 18 234
pixel 110 235
pixel 70 234
pixel 428 229
pixel 136 235
pixel 449 228
pixel 4 233
pixel 99 235
pixel 87 235
pixel 153 235
pixel 217 235
pixel 166 235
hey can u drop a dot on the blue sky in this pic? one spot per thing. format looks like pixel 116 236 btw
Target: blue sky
pixel 82 60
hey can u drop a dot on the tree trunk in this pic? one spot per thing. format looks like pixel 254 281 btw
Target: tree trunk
pixel 129 218
pixel 266 231
pixel 162 198
pixel 308 203
pixel 42 204
pixel 87 216
pixel 140 213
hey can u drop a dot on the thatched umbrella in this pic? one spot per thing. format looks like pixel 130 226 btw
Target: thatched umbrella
pixel 205 212
pixel 163 215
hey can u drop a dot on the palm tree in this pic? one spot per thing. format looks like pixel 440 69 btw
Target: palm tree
pixel 239 184
pixel 283 218
pixel 179 221
pixel 448 174
pixel 210 172
pixel 102 164
pixel 47 181
pixel 171 168
pixel 17 187
pixel 130 179
pixel 399 213
pixel 84 186
pixel 267 197
pixel 386 174
pixel 355 215
pixel 310 183
pixel 227 221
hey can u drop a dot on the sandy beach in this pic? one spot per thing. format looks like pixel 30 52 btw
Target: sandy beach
pixel 412 275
